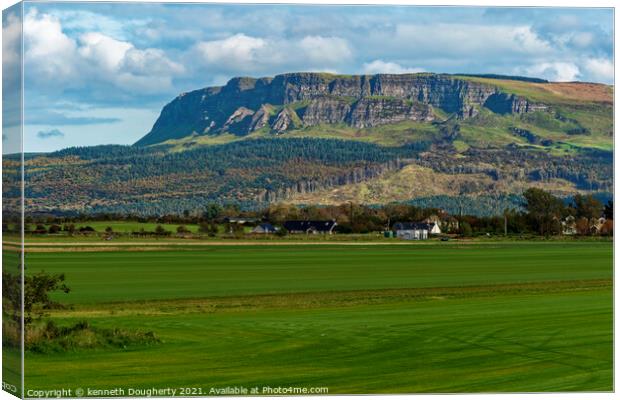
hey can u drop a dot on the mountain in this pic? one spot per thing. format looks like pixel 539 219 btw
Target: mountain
pixel 288 101
pixel 438 140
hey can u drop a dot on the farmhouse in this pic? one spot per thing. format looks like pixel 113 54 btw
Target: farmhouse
pixel 433 228
pixel 314 227
pixel 569 226
pixel 596 225
pixel 241 220
pixel 413 230
pixel 264 228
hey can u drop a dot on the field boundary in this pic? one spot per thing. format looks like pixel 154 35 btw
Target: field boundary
pixel 309 300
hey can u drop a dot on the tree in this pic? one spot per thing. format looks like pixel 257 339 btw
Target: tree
pixel 587 207
pixel 40 229
pixel 109 230
pixel 213 230
pixel 182 229
pixel 37 290
pixel 465 229
pixel 160 231
pixel 544 210
pixel 608 228
pixel 203 227
pixel 54 229
pixel 609 210
pixel 582 225
pixel 209 229
pixel 212 212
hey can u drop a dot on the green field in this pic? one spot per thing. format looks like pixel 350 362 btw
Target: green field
pixel 130 226
pixel 11 356
pixel 440 317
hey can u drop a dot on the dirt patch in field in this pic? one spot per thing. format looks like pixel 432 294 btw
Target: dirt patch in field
pixel 137 245
pixel 55 249
pixel 581 91
pixel 307 300
pixel 11 248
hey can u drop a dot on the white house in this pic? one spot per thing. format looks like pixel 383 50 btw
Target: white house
pixel 412 230
pixel 265 228
pixel 434 224
pixel 434 228
pixel 569 226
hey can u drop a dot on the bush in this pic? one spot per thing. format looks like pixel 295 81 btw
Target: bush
pixel 344 228
pixel 210 229
pixel 50 338
pixel 40 229
pixel 465 229
pixel 160 231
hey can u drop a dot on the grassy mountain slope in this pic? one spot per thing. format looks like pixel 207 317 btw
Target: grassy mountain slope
pixel 564 145
pixel 580 115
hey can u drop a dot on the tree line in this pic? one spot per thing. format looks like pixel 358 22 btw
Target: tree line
pixel 541 213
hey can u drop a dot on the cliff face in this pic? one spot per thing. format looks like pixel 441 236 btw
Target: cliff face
pixel 289 101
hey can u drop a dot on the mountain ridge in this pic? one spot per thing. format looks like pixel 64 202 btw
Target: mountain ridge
pixel 294 100
pixel 330 139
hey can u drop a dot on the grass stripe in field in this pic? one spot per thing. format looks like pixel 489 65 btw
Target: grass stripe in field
pixel 325 299
pixel 548 342
pixel 242 270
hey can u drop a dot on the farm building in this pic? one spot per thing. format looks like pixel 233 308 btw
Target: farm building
pixel 569 226
pixel 241 220
pixel 595 226
pixel 433 228
pixel 314 227
pixel 264 228
pixel 414 230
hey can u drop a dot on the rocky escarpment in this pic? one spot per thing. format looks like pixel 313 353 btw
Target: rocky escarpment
pixel 357 175
pixel 288 101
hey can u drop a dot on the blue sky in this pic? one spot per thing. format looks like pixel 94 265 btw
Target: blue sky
pixel 100 73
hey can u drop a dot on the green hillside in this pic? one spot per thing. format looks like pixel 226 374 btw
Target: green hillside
pixel 342 144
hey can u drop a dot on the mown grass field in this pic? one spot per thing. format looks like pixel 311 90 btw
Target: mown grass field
pixel 11 356
pixel 440 317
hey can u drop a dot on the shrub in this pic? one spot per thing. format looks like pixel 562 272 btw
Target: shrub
pixel 465 229
pixel 50 338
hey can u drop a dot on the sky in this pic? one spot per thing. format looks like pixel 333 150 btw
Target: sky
pixel 98 73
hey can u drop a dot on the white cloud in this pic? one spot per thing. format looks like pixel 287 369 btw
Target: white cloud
pixel 11 40
pixel 465 39
pixel 554 71
pixel 238 50
pixel 53 59
pixel 11 65
pixel 148 61
pixel 383 67
pixel 325 50
pixel 252 55
pixel 86 21
pixel 103 50
pixel 600 69
pixel 49 52
pixel 582 40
